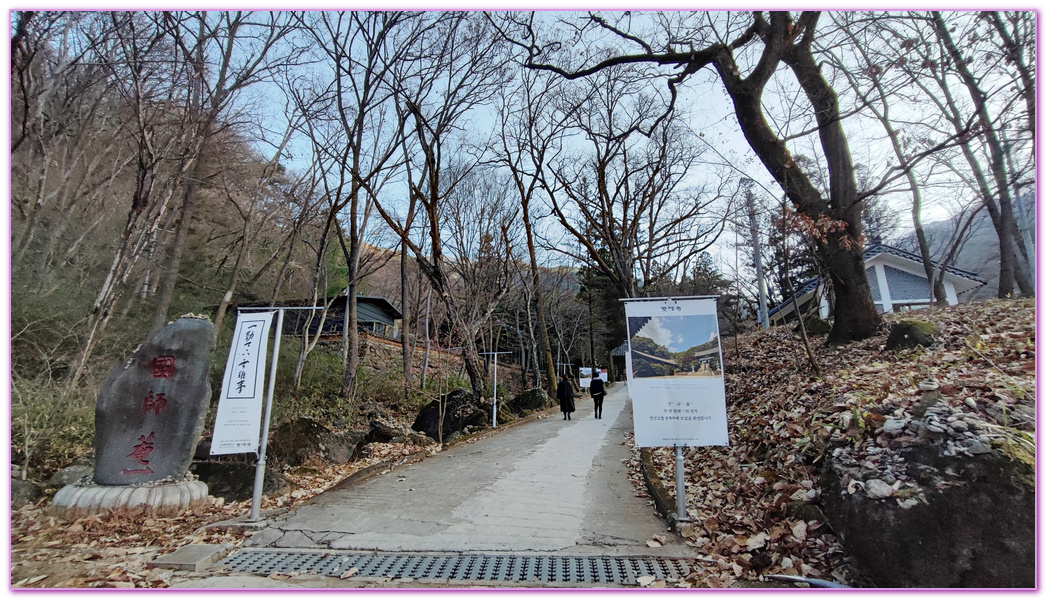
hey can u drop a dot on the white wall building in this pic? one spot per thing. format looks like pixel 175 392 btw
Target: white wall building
pixel 897 281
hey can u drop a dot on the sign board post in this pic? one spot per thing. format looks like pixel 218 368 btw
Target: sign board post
pixel 238 423
pixel 674 368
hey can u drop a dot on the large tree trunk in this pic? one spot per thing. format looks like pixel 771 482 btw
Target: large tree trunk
pixel 472 366
pixel 543 329
pixel 351 338
pixel 856 316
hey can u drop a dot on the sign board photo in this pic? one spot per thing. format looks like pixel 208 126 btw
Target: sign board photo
pixel 585 376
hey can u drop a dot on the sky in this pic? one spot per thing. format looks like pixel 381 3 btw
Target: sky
pixel 680 333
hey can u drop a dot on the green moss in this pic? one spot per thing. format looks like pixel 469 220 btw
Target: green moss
pixel 921 327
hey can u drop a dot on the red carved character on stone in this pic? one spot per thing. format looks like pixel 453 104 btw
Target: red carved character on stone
pixel 156 404
pixel 163 367
pixel 141 450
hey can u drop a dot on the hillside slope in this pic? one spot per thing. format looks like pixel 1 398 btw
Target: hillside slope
pixel 755 502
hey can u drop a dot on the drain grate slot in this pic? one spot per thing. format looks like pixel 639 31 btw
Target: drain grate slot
pixel 504 568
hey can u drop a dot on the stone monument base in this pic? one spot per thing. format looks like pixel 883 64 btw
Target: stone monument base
pixel 161 499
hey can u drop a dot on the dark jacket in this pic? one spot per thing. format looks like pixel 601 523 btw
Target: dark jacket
pixel 596 388
pixel 565 394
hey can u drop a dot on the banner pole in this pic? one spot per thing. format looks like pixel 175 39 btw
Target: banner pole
pixel 681 492
pixel 259 473
pixel 494 394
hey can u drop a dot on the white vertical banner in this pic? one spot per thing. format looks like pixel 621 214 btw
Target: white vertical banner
pixel 238 419
pixel 674 367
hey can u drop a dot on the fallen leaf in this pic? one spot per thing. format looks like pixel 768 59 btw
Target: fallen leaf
pixel 757 541
pixel 800 531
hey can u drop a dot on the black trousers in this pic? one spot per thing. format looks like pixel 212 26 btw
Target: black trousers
pixel 598 402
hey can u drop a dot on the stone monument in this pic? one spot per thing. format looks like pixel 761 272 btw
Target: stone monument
pixel 148 420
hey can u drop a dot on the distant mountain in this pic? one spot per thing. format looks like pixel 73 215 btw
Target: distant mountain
pixel 981 253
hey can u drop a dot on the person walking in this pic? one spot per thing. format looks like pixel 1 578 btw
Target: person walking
pixel 597 392
pixel 565 394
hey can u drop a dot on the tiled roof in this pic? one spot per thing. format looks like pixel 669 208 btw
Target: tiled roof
pixel 877 249
pixel 805 287
pixel 871 252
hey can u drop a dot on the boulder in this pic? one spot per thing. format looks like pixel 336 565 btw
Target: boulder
pixel 25 491
pixel 971 524
pixel 385 432
pixel 909 334
pixel 306 441
pixel 528 402
pixel 70 475
pixel 460 411
pixel 150 412
pixel 234 481
pixel 815 326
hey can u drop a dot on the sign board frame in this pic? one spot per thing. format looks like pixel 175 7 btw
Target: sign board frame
pixel 238 418
pixel 674 368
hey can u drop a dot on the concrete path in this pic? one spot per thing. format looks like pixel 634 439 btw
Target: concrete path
pixel 545 486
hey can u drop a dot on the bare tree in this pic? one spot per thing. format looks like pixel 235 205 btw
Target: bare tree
pixel 530 131
pixel 360 135
pixel 246 208
pixel 458 67
pixel 149 88
pixel 689 43
pixel 227 52
pixel 873 92
pixel 1002 211
pixel 624 199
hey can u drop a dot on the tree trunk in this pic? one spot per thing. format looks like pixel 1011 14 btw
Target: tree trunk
pixel 472 366
pixel 1007 228
pixel 428 342
pixel 856 316
pixel 406 346
pixel 543 329
pixel 351 338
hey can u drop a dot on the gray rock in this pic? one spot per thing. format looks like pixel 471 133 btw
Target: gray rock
pixel 973 529
pixel 979 448
pixel 305 440
pixel 150 412
pixel 24 491
pixel 460 411
pixel 909 334
pixel 70 475
pixel 877 488
pixel 234 481
pixel 893 426
pixel 528 401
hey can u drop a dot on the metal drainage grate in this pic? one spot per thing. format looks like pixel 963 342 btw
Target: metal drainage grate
pixel 505 568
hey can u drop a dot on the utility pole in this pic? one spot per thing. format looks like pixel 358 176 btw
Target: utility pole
pixel 592 341
pixel 761 285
